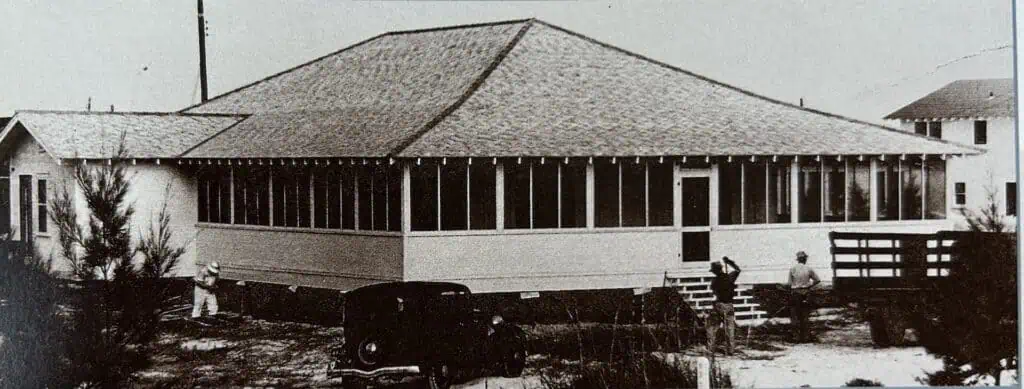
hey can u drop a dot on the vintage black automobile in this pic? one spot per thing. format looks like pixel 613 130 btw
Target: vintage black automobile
pixel 427 329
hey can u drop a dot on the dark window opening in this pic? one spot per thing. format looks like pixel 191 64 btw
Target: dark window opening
pixel 810 192
pixel 660 184
pixel 960 193
pixel 224 196
pixel 303 197
pixel 1011 198
pixel 394 197
pixel 835 191
pixel 921 128
pixel 43 218
pixel 364 197
pixel 574 196
pixel 203 198
pixel 453 197
pixel 980 132
pixel 754 196
pixel 634 195
pixel 911 207
pixel 888 181
pixel 729 194
pixel 860 191
pixel 423 187
pixel 779 204
pixel 935 129
pixel 482 193
pixel 517 195
pixel 606 194
pixel 241 196
pixel 545 195
pixel 379 186
pixel 280 182
pixel 348 198
pixel 935 189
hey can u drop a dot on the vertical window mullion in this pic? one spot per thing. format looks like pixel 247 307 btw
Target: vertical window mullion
pixel 899 189
pixel 821 178
pixel 531 193
pixel 924 190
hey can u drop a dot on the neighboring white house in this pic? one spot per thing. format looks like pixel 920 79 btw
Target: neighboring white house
pixel 40 149
pixel 979 113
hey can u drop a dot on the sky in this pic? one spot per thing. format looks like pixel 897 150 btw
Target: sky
pixel 862 59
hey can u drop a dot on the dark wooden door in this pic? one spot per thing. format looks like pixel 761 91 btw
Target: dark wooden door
pixel 25 207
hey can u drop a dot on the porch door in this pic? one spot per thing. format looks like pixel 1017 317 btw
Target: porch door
pixel 25 207
pixel 696 236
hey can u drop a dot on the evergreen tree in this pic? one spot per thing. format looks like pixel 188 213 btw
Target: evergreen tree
pixel 977 302
pixel 119 302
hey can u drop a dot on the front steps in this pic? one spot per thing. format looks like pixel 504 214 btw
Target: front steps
pixel 697 292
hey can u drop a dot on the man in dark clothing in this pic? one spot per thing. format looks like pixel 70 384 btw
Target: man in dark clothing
pixel 801 279
pixel 722 313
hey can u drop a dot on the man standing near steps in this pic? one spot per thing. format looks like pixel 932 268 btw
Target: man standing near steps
pixel 801 279
pixel 723 313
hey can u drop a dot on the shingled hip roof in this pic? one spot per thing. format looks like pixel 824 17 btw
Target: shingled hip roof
pixel 963 99
pixel 522 88
pixel 96 135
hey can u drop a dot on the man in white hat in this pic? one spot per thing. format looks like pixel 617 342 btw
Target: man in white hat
pixel 206 290
pixel 801 279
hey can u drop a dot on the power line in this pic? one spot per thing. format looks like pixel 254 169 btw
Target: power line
pixel 934 70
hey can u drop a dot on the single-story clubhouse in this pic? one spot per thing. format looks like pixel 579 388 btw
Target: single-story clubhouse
pixel 513 157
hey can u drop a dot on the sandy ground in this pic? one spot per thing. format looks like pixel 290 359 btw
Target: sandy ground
pixel 274 354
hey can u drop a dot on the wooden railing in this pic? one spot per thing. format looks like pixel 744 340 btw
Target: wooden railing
pixel 890 260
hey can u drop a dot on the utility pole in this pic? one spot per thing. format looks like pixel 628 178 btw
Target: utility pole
pixel 202 53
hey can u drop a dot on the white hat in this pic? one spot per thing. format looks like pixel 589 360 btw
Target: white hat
pixel 213 268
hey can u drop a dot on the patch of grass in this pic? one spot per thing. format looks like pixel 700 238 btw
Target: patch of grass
pixel 606 342
pixel 633 371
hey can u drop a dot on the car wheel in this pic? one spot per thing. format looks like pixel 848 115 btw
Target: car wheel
pixel 439 376
pixel 514 361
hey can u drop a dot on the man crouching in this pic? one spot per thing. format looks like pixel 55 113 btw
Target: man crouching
pixel 206 290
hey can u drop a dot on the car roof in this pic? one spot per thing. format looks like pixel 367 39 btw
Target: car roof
pixel 406 288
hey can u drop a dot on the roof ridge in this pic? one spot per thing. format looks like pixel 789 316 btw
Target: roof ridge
pixel 288 70
pixel 459 26
pixel 126 113
pixel 710 80
pixel 195 146
pixel 346 48
pixel 940 90
pixel 479 81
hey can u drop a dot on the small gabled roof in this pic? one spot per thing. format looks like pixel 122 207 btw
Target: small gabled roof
pixel 522 88
pixel 963 99
pixel 95 135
